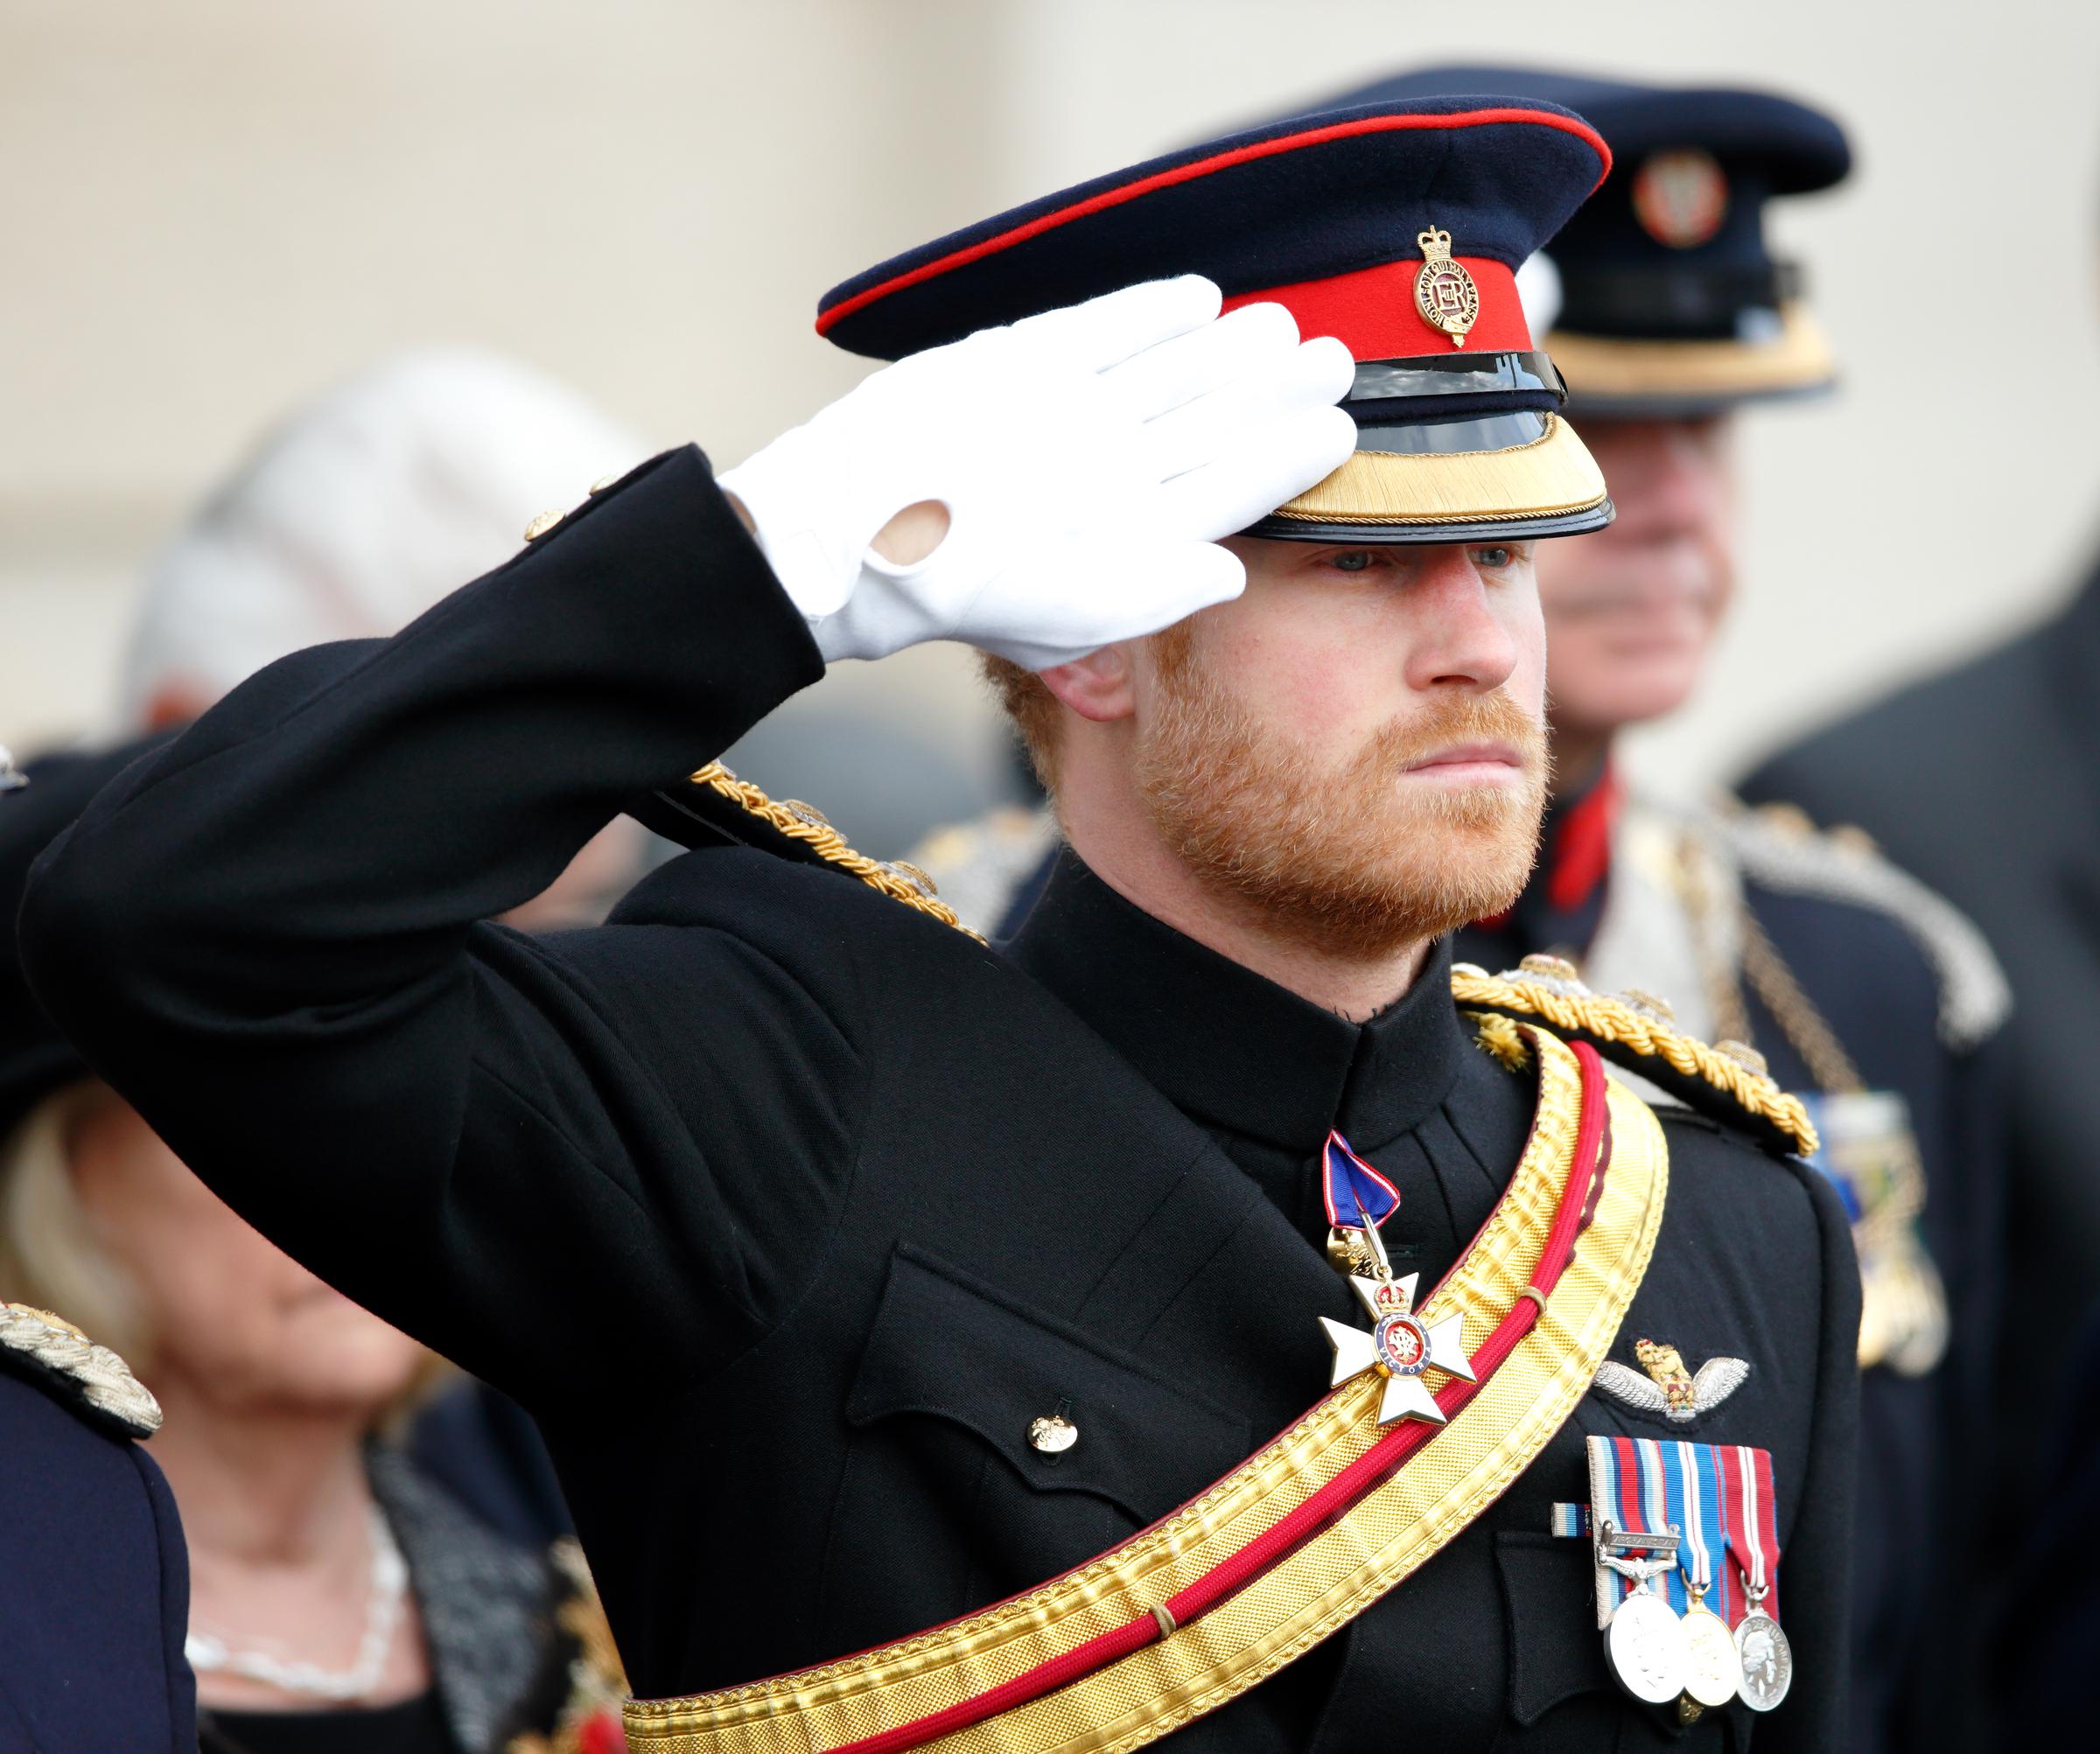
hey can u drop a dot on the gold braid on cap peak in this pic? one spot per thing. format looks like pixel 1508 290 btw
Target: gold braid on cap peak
pixel 1637 1032
pixel 801 822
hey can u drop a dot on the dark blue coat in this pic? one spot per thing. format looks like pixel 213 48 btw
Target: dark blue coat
pixel 97 1595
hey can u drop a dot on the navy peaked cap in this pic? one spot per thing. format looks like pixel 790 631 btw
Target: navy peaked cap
pixel 1671 301
pixel 1794 149
pixel 1298 201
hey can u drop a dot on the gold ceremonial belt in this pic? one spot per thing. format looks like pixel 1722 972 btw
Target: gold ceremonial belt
pixel 1295 1541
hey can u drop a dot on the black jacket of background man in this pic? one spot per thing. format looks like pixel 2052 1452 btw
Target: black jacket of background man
pixel 1986 782
pixel 785 1209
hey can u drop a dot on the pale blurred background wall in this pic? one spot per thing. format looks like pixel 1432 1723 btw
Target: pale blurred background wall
pixel 213 209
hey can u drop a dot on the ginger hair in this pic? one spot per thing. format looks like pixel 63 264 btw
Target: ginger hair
pixel 1027 701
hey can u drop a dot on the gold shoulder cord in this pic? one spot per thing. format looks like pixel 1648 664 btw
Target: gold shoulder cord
pixel 800 822
pixel 1615 1020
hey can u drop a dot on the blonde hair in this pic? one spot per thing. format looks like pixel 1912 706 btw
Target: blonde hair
pixel 50 1255
pixel 52 1259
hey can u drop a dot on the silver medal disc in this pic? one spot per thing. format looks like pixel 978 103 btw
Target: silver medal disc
pixel 1712 1670
pixel 1645 1644
pixel 1767 1658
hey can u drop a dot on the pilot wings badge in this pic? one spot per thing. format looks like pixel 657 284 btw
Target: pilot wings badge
pixel 1668 1390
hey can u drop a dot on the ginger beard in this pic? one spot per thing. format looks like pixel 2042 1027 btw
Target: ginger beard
pixel 1347 856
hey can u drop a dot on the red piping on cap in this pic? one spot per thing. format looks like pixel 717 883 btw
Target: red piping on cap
pixel 1203 167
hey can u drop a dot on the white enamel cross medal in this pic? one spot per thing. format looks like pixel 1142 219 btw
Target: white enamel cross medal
pixel 1401 1346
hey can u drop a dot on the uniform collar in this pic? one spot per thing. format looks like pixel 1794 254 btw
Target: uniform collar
pixel 1227 1046
pixel 1562 903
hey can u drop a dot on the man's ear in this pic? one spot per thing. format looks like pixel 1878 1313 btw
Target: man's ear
pixel 1097 686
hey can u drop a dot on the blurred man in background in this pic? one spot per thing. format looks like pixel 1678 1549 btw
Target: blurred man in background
pixel 1986 780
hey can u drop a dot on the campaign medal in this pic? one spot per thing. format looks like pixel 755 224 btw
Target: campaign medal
pixel 1714 1670
pixel 1633 1542
pixel 1870 1155
pixel 1401 1346
pixel 1445 292
pixel 1643 1640
pixel 1767 1658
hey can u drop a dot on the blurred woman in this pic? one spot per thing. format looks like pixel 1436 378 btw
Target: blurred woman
pixel 341 1600
pixel 341 1603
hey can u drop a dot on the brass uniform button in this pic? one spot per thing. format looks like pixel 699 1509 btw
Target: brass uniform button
pixel 605 481
pixel 541 525
pixel 1052 1435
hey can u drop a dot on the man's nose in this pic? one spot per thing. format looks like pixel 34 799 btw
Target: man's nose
pixel 1460 638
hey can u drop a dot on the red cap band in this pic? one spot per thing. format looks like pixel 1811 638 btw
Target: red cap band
pixel 1373 312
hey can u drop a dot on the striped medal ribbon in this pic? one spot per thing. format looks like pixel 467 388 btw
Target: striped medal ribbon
pixel 1752 1523
pixel 1713 1669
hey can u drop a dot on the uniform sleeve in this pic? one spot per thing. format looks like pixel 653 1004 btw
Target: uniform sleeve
pixel 1816 1565
pixel 527 1152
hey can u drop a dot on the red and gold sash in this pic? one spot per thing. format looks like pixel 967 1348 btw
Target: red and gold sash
pixel 1295 1541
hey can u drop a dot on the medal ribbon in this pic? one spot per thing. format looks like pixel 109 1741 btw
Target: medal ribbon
pixel 1752 1522
pixel 1633 1485
pixel 1695 1479
pixel 1357 1197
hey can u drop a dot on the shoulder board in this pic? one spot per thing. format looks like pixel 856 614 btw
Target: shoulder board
pixel 91 1380
pixel 1777 846
pixel 712 807
pixel 1635 1031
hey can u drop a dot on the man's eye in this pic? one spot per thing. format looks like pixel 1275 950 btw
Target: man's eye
pixel 1353 560
pixel 1494 559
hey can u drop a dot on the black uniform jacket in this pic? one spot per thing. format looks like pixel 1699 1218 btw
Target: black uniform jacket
pixel 1922 1450
pixel 1986 782
pixel 785 1210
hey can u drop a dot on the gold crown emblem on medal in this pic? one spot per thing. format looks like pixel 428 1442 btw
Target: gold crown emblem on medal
pixel 1445 292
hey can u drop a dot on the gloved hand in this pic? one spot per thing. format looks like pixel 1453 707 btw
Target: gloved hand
pixel 1088 459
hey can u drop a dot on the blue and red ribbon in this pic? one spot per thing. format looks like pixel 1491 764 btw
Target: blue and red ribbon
pixel 1357 1197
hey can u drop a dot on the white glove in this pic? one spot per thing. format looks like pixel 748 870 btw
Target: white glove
pixel 1088 459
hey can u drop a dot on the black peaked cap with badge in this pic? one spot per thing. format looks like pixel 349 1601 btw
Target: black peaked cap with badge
pixel 1408 255
pixel 796 1216
pixel 1672 300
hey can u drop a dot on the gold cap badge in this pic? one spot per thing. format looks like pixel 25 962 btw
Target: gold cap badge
pixel 1444 293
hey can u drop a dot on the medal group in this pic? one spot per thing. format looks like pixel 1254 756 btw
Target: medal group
pixel 1699 1521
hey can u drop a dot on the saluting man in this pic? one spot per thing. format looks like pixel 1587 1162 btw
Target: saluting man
pixel 881 1292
